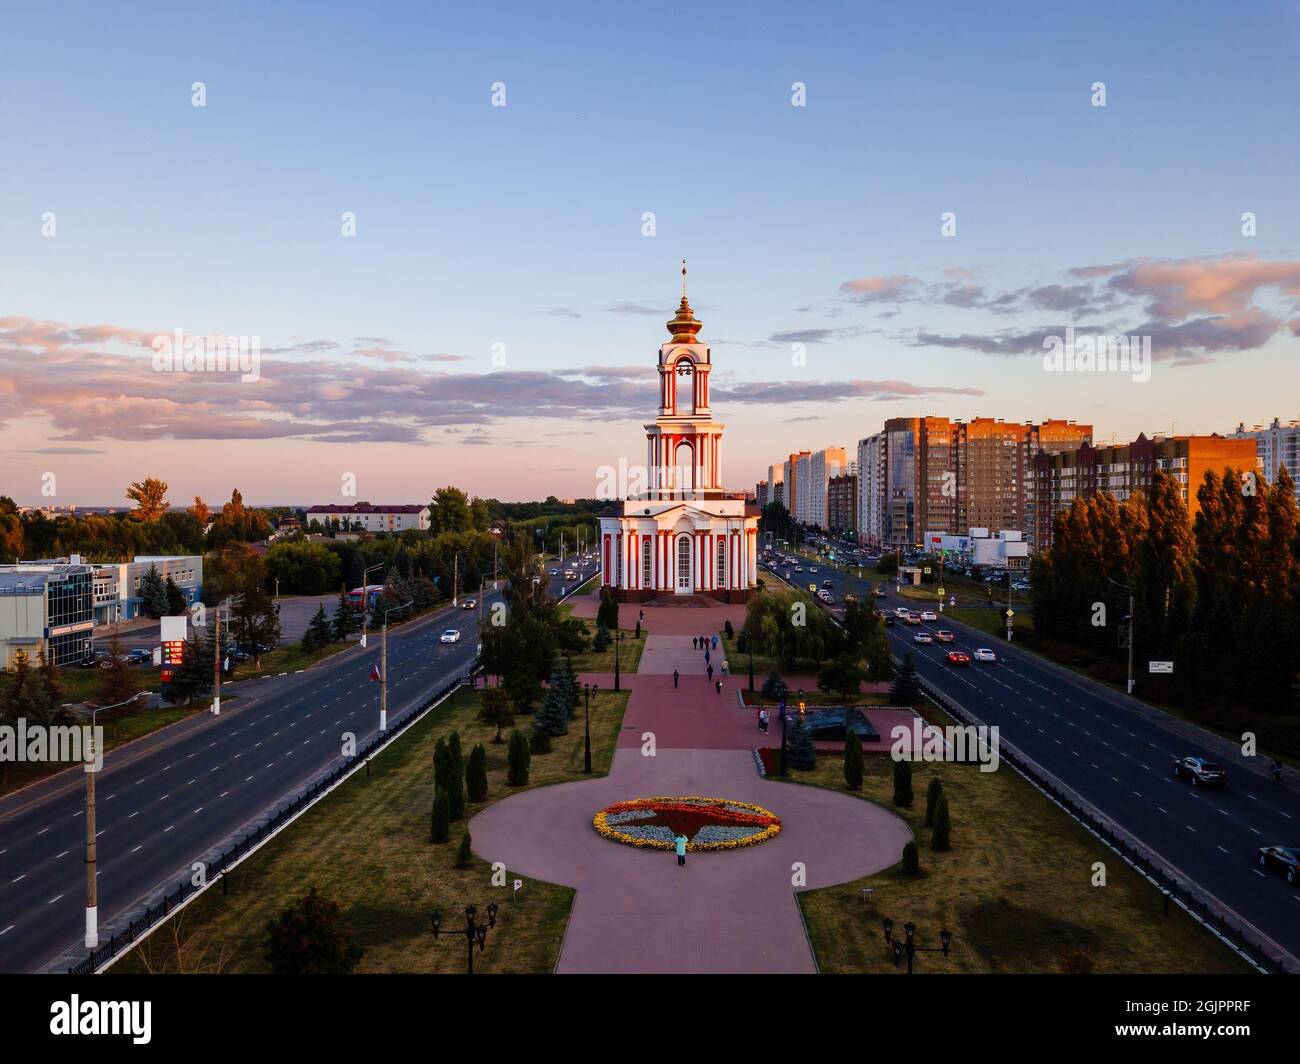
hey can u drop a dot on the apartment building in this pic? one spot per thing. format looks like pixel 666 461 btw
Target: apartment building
pixel 1275 445
pixel 822 466
pixel 1123 469
pixel 368 518
pixel 871 490
pixel 776 483
pixel 842 504
pixel 790 479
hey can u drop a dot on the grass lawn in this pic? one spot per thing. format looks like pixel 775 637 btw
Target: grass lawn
pixel 291 658
pixel 1015 889
pixel 366 846
pixel 629 654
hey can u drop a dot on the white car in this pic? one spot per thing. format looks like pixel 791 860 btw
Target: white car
pixel 923 637
pixel 929 615
pixel 469 604
pixel 901 612
pixel 985 654
pixel 451 635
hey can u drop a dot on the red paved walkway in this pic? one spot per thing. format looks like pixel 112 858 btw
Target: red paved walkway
pixel 636 911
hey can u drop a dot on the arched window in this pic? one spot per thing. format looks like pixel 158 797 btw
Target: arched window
pixel 684 471
pixel 722 562
pixel 684 562
pixel 647 578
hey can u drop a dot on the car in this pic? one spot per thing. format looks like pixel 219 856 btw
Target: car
pixel 985 654
pixel 1285 859
pixel 798 568
pixel 555 572
pixel 929 615
pixel 890 620
pixel 139 655
pixel 570 574
pixel 912 618
pixel 827 598
pixel 469 604
pixel 958 657
pixel 944 636
pixel 901 612
pixel 877 592
pixel 849 596
pixel 451 635
pixel 1202 772
pixel 923 637
pixel 812 568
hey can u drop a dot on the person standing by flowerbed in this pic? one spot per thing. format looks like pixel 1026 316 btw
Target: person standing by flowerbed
pixel 680 843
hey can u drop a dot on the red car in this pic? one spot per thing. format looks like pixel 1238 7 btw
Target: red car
pixel 958 657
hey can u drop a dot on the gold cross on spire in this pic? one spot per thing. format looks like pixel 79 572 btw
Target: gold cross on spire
pixel 683 278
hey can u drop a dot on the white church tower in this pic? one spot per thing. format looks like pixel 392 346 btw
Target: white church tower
pixel 686 535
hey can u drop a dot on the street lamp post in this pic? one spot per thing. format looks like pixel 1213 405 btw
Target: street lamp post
pixel 473 931
pixel 1131 618
pixel 749 645
pixel 907 947
pixel 589 692
pixel 781 716
pixel 383 667
pixel 365 599
pixel 455 575
pixel 618 638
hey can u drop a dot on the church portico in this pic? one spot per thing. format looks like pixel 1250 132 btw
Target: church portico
pixel 686 535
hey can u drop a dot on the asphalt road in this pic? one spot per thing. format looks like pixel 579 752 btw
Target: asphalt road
pixel 166 800
pixel 1118 759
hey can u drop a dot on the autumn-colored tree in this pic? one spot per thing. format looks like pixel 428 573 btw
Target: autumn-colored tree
pixel 201 511
pixel 150 498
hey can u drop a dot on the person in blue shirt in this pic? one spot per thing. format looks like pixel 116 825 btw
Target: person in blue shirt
pixel 680 843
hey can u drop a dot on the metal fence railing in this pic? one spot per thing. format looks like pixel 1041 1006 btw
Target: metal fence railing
pixel 96 958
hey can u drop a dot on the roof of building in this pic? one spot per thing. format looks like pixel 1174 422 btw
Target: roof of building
pixel 29 578
pixel 366 508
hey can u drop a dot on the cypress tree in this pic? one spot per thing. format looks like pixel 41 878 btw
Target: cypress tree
pixel 476 780
pixel 153 594
pixel 455 782
pixel 941 838
pixel 932 795
pixel 853 761
pixel 441 763
pixel 903 783
pixel 440 827
pixel 911 858
pixel 465 854
pixel 344 621
pixel 518 759
pixel 552 716
pixel 175 598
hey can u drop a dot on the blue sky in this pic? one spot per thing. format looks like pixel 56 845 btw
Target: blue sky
pixel 521 226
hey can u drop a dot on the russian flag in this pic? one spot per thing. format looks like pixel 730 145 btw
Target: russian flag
pixel 374 672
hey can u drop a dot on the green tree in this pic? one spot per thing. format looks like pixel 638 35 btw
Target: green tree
pixel 193 678
pixel 853 766
pixel 176 604
pixel 440 824
pixel 774 688
pixel 117 682
pixel 903 783
pixel 932 795
pixel 518 758
pixel 345 621
pixel 307 939
pixel 941 837
pixel 495 710
pixel 153 594
pixel 454 783
pixel 906 688
pixel 552 716
pixel 465 855
pixel 842 676
pixel 911 858
pixel 450 511
pixel 476 778
pixel 801 752
pixel 318 633
pixel 303 567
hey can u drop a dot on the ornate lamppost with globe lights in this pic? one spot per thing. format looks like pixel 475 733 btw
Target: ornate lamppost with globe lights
pixel 907 947
pixel 473 931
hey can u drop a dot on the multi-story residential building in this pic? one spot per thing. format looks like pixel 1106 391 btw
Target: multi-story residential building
pixel 776 483
pixel 46 608
pixel 871 490
pixel 822 466
pixel 934 474
pixel 790 480
pixel 842 504
pixel 372 518
pixel 1277 445
pixel 1123 469
pixel 760 493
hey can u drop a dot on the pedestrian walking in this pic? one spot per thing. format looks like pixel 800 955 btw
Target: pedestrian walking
pixel 695 643
pixel 718 686
pixel 763 721
pixel 676 676
pixel 707 659
pixel 715 642
pixel 724 666
pixel 710 673
pixel 642 616
pixel 680 843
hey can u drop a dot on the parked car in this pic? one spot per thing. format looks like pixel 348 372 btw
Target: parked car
pixel 1284 859
pixel 929 615
pixel 451 635
pixel 985 654
pixel 469 604
pixel 923 637
pixel 958 657
pixel 944 636
pixel 139 656
pixel 1201 772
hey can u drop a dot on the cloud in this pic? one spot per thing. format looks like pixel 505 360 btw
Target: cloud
pixel 891 289
pixel 636 308
pixel 562 312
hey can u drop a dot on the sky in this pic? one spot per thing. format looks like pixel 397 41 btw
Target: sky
pixel 522 181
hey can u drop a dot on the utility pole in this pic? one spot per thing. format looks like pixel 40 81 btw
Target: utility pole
pixel 365 600
pixel 383 675
pixel 1131 611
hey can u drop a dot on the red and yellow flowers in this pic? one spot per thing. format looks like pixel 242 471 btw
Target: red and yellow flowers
pixel 707 823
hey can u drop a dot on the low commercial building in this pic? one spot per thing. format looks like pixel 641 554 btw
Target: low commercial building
pixel 46 608
pixel 364 517
pixel 1003 549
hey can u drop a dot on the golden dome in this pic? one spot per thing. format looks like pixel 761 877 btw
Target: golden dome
pixel 684 325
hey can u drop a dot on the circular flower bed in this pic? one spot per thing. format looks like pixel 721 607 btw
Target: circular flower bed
pixel 707 823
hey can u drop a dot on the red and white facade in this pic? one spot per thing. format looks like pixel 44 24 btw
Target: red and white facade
pixel 685 535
